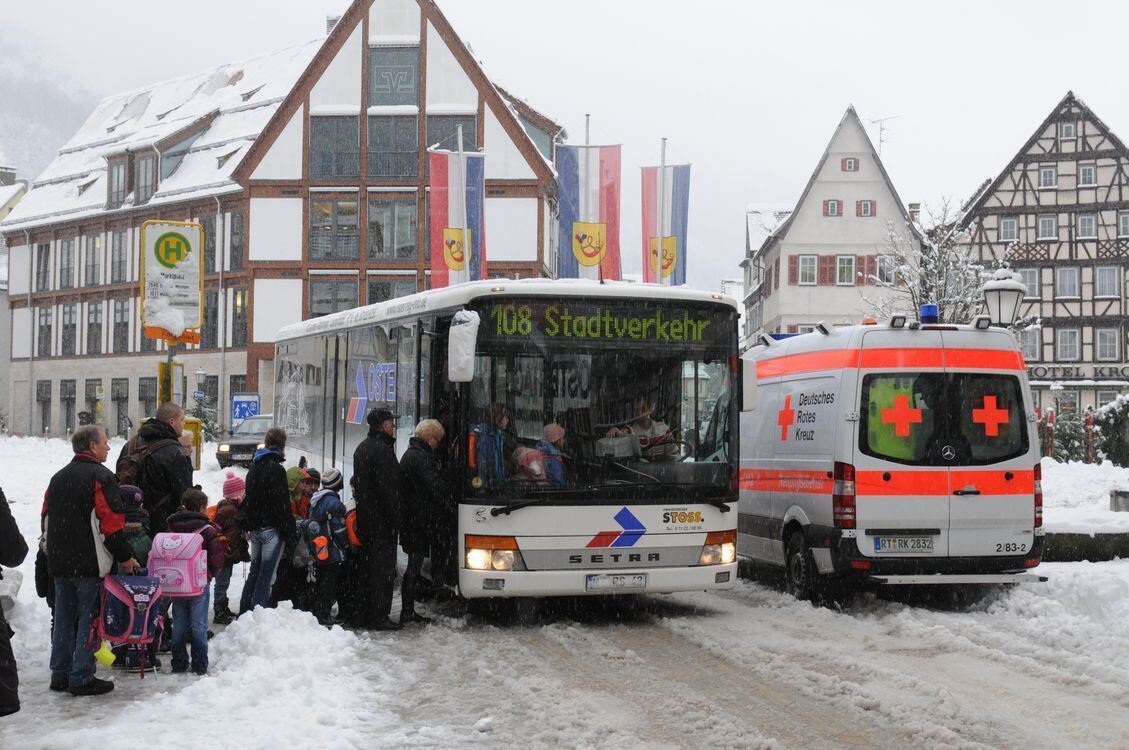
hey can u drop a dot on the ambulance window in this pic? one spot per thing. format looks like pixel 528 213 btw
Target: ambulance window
pixel 990 418
pixel 899 415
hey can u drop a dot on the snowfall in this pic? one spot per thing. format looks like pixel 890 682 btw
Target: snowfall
pixel 1040 665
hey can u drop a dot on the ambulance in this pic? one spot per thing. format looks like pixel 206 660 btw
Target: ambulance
pixel 901 453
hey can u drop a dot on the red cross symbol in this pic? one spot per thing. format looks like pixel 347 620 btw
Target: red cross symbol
pixel 990 416
pixel 901 416
pixel 786 417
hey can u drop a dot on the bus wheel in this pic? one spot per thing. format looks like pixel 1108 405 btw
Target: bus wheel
pixel 799 572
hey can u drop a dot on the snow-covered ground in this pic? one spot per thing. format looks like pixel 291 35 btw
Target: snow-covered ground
pixel 1033 666
pixel 1076 497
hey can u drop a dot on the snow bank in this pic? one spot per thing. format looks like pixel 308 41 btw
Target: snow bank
pixel 1076 497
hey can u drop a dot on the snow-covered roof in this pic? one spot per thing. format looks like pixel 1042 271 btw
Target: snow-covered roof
pixel 8 193
pixel 232 102
pixel 761 220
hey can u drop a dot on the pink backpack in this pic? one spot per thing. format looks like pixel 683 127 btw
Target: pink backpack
pixel 181 562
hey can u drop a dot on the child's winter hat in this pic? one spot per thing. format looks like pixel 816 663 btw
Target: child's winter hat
pixel 234 487
pixel 130 496
pixel 331 479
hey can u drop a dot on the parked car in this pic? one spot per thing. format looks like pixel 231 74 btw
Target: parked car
pixel 244 440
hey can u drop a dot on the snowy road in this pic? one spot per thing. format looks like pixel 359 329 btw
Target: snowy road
pixel 1042 666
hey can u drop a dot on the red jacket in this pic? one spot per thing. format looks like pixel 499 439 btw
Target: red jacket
pixel 80 492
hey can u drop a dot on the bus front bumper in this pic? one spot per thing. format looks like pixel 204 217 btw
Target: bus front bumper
pixel 474 584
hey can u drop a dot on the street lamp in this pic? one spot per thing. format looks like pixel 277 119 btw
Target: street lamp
pixel 1003 294
pixel 201 378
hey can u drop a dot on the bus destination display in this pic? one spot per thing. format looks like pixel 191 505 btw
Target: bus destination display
pixel 591 322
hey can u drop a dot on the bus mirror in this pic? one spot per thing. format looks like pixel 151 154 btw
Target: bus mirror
pixel 748 385
pixel 461 344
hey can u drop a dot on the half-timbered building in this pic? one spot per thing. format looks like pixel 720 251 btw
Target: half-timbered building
pixel 1058 214
pixel 307 169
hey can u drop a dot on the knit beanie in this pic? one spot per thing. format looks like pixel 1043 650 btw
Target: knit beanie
pixel 332 479
pixel 234 488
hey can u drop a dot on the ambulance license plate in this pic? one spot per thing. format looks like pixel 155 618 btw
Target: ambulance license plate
pixel 903 544
pixel 606 582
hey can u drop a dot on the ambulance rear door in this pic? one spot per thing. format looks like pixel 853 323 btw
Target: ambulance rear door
pixel 991 505
pixel 900 461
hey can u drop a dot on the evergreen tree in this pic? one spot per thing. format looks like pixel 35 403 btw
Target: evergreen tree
pixel 1069 437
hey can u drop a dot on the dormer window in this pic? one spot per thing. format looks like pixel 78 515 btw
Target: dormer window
pixel 117 184
pixel 849 164
pixel 144 179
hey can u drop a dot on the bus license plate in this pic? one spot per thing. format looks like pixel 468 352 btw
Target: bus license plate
pixel 903 544
pixel 240 456
pixel 605 582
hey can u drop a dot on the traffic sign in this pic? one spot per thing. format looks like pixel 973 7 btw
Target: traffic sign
pixel 244 405
pixel 172 280
pixel 199 395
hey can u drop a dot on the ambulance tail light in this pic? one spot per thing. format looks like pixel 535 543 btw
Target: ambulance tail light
pixel 720 548
pixel 1038 496
pixel 843 496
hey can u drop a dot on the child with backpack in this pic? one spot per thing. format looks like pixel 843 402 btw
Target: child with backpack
pixel 130 498
pixel 326 536
pixel 226 518
pixel 190 598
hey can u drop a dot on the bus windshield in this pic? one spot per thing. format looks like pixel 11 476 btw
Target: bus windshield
pixel 602 400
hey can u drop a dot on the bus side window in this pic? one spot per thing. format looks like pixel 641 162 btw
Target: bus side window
pixel 748 385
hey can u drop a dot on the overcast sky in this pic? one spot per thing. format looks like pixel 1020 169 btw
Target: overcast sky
pixel 747 92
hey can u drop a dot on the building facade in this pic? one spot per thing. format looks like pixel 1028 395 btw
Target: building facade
pixel 822 260
pixel 308 171
pixel 11 191
pixel 1058 214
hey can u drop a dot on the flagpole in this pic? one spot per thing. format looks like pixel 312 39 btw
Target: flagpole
pixel 661 212
pixel 466 219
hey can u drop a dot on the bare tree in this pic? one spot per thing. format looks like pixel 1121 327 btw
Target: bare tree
pixel 942 268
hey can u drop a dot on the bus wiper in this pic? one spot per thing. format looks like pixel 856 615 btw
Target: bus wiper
pixel 508 509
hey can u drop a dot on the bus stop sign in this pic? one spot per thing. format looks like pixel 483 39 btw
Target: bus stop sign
pixel 244 405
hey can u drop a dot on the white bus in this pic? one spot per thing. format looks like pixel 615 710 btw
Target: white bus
pixel 643 504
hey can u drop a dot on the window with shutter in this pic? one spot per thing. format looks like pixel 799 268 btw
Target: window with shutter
pixel 793 270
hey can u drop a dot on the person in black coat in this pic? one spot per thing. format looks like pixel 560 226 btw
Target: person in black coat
pixel 166 470
pixel 378 521
pixel 425 498
pixel 80 508
pixel 265 515
pixel 13 550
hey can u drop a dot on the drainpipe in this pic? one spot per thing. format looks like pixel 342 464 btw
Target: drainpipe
pixel 31 329
pixel 221 256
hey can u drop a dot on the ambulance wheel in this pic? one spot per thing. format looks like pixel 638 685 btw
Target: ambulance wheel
pixel 800 575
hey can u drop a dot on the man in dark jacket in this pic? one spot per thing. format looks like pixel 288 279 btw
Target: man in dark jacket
pixel 378 521
pixel 265 514
pixel 13 550
pixel 424 504
pixel 81 502
pixel 166 472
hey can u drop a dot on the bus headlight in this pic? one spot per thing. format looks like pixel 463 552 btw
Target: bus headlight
pixel 492 553
pixel 503 559
pixel 225 448
pixel 478 559
pixel 720 548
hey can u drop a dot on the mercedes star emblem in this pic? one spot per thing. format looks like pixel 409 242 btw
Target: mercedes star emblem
pixel 948 453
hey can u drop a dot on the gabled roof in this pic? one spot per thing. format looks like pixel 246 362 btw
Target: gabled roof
pixel 1067 104
pixel 228 105
pixel 10 194
pixel 501 105
pixel 850 116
